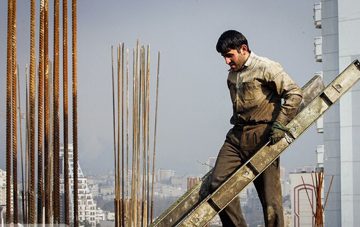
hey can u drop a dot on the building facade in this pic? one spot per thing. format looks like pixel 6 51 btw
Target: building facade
pixel 303 198
pixel 339 23
pixel 88 211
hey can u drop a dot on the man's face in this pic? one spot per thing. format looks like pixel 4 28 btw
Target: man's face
pixel 236 58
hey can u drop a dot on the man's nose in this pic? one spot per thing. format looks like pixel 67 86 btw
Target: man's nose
pixel 227 60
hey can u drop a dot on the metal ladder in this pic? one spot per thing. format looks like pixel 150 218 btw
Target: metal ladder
pixel 191 210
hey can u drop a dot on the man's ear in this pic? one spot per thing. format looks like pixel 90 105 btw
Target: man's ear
pixel 243 48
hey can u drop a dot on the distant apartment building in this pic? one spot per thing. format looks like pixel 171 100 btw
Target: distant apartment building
pixel 337 46
pixel 191 182
pixel 3 205
pixel 165 175
pixel 88 211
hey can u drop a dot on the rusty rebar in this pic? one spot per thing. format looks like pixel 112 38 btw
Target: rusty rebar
pixel 56 114
pixel 127 213
pixel 14 117
pixel 14 126
pixel 40 204
pixel 122 138
pixel 117 187
pixel 147 90
pixel 127 122
pixel 27 143
pixel 319 209
pixel 9 82
pixel 143 123
pixel 74 104
pixel 21 149
pixel 114 132
pixel 65 115
pixel 118 191
pixel 47 141
pixel 134 188
pixel 32 96
pixel 137 138
pixel 154 143
pixel 132 193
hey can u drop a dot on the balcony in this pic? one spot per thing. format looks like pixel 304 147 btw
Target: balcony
pixel 317 15
pixel 318 49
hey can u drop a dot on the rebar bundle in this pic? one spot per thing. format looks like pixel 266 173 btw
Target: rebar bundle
pixel 41 191
pixel 134 209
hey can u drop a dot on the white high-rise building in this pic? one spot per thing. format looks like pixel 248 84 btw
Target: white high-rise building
pixel 2 187
pixel 87 207
pixel 3 205
pixel 339 22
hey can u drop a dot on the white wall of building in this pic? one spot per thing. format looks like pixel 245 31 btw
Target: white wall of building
pixel 349 50
pixel 340 40
pixel 303 199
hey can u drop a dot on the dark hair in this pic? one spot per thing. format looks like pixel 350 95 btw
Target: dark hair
pixel 230 39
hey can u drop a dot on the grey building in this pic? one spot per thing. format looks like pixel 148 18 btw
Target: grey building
pixel 339 21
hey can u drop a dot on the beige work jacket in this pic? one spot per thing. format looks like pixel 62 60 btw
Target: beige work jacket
pixel 261 91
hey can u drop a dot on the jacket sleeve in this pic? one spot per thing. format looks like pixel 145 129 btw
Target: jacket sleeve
pixel 288 91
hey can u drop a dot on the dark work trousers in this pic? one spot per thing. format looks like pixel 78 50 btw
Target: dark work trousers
pixel 240 144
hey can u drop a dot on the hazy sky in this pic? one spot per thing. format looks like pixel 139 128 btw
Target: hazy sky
pixel 194 102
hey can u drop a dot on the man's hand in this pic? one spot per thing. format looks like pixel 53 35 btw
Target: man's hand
pixel 277 132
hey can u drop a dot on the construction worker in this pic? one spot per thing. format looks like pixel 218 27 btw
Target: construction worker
pixel 264 99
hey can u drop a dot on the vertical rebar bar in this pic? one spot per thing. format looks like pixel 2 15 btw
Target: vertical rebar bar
pixel 56 113
pixel 47 142
pixel 14 127
pixel 41 194
pixel 122 139
pixel 32 196
pixel 8 109
pixel 134 188
pixel 65 113
pixel 114 129
pixel 154 143
pixel 138 138
pixel 147 90
pixel 74 103
pixel 132 192
pixel 143 130
pixel 118 135
pixel 27 143
pixel 114 132
pixel 21 149
pixel 127 122
pixel 14 117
